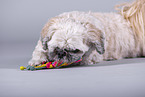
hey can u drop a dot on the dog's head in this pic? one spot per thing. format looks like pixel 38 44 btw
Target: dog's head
pixel 68 39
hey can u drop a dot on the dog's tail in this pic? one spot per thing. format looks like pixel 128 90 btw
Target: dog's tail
pixel 134 13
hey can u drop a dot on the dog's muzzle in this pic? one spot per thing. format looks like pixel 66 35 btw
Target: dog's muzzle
pixel 61 54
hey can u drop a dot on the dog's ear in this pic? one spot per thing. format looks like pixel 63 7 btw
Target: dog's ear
pixel 48 32
pixel 44 35
pixel 44 42
pixel 95 37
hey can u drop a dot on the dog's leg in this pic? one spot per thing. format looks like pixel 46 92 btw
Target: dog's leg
pixel 93 58
pixel 39 55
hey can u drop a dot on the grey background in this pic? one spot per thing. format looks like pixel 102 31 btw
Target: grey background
pixel 20 24
pixel 22 20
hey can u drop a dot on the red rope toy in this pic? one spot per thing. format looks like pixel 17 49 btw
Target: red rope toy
pixel 49 65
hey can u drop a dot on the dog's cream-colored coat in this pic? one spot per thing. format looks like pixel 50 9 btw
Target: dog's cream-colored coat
pixel 109 35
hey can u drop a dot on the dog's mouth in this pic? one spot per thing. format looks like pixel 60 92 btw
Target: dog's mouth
pixel 68 58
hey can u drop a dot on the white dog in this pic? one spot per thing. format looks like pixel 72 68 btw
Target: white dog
pixel 93 36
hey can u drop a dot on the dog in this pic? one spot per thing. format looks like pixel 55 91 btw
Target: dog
pixel 93 36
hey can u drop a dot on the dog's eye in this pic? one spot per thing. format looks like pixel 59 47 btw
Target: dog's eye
pixel 76 51
pixel 73 51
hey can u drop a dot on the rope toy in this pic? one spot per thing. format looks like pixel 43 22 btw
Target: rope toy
pixel 49 65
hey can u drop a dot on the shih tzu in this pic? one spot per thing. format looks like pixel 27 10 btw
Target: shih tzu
pixel 93 36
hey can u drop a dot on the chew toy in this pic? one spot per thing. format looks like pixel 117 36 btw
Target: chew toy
pixel 49 65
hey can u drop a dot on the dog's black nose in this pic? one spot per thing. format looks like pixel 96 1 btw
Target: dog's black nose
pixel 61 54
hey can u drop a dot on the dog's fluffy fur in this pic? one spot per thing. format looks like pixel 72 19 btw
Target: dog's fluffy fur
pixel 93 36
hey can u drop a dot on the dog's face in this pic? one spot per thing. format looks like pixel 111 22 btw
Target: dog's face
pixel 68 40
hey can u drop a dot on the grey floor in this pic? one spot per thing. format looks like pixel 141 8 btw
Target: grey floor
pixel 121 78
